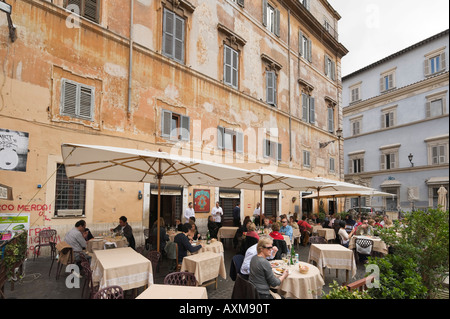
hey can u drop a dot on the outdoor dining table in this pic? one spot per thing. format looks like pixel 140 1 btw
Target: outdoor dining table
pixel 98 243
pixel 315 228
pixel 214 246
pixel 378 244
pixel 172 234
pixel 173 292
pixel 327 233
pixel 123 267
pixel 206 266
pixel 298 285
pixel 333 256
pixel 226 232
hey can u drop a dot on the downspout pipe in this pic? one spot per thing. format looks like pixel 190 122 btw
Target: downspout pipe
pixel 130 66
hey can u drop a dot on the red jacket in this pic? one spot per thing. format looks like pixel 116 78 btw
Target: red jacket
pixel 304 224
pixel 276 235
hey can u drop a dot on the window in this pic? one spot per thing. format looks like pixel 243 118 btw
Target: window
pixel 389 157
pixel 332 168
pixel 305 46
pixel 391 202
pixel 175 126
pixel 357 165
pixel 387 81
pixel 306 159
pixel 70 193
pixel 388 117
pixel 230 140
pixel 355 92
pixel 239 2
pixel 356 162
pixel 434 195
pixel 436 104
pixel 231 67
pixel 305 3
pixel 435 62
pixel 330 68
pixel 271 18
pixel 88 9
pixel 271 88
pixel 173 36
pixel 272 149
pixel 438 154
pixel 330 119
pixel 77 100
pixel 308 109
pixel 356 124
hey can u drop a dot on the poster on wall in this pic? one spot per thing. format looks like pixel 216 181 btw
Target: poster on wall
pixel 201 200
pixel 10 224
pixel 13 150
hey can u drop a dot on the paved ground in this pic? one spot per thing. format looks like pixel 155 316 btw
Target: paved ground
pixel 36 284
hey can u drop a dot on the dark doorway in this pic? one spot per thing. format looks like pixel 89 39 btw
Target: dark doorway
pixel 228 199
pixel 171 205
pixel 307 204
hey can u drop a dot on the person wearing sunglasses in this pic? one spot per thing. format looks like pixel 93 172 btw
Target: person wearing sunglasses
pixel 286 229
pixel 261 274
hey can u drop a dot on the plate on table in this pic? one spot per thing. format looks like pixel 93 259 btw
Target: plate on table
pixel 278 271
pixel 275 264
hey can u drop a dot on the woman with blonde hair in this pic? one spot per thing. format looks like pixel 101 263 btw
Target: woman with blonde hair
pixel 261 274
pixel 251 231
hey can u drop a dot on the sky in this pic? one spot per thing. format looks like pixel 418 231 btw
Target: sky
pixel 374 29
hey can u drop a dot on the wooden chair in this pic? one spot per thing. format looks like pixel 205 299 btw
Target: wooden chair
pixel 154 256
pixel 297 237
pixel 361 284
pixel 244 289
pixel 111 292
pixel 46 238
pixel 66 257
pixel 317 240
pixel 181 279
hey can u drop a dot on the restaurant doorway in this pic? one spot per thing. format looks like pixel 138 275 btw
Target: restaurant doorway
pixel 270 203
pixel 228 199
pixel 307 204
pixel 171 204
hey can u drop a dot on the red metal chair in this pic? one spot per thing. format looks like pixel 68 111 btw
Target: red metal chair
pixel 47 238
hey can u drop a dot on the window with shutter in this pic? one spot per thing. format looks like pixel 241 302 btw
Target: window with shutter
pixel 387 81
pixel 173 36
pixel 231 67
pixel 330 119
pixel 271 88
pixel 271 18
pixel 306 159
pixel 272 149
pixel 77 100
pixel 175 126
pixel 88 9
pixel 331 167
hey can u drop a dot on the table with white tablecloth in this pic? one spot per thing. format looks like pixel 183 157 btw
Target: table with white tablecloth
pixel 327 233
pixel 98 243
pixel 205 266
pixel 173 292
pixel 378 244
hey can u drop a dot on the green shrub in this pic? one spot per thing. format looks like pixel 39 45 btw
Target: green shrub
pixel 341 292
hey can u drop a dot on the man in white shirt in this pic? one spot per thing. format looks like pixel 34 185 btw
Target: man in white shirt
pixel 189 212
pixel 217 213
pixel 257 213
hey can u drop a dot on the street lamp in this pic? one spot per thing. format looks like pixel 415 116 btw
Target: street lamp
pixel 12 29
pixel 338 135
pixel 410 157
pixel 5 7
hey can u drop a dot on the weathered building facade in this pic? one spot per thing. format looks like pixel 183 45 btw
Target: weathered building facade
pixel 252 84
pixel 396 125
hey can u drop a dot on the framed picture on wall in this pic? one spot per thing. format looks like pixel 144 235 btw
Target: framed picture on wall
pixel 202 200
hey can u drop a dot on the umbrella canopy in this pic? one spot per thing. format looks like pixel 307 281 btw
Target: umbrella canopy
pixel 442 197
pixel 261 179
pixel 130 165
pixel 332 194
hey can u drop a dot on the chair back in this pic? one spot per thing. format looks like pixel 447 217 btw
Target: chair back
pixel 317 240
pixel 236 267
pixel 364 246
pixel 181 279
pixel 47 236
pixel 244 289
pixel 248 242
pixel 154 256
pixel 87 271
pixel 282 248
pixel 111 292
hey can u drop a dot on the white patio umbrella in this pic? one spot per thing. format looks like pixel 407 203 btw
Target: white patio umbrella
pixel 130 165
pixel 442 197
pixel 262 179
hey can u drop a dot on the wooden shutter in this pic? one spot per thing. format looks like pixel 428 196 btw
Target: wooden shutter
pixel 279 150
pixel 443 62
pixel 227 68
pixel 383 162
pixel 241 3
pixel 309 50
pixel 270 87
pixel 326 65
pixel 442 154
pixel 185 128
pixel 305 107
pixel 333 70
pixel 330 119
pixel 220 137
pixel 350 166
pixel 166 123
pixel 382 89
pixel 168 36
pixel 69 98
pixel 235 68
pixel 239 142
pixel 427 67
pixel 300 43
pixel 312 112
pixel 179 39
pixel 392 160
pixel 86 102
pixel 391 81
pixel 276 26
pixel 264 8
pixel 91 10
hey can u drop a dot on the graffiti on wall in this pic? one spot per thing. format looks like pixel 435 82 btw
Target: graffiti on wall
pixel 13 150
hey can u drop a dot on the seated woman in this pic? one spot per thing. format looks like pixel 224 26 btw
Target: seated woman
pixel 196 235
pixel 163 237
pixel 275 234
pixel 343 235
pixel 251 231
pixel 266 223
pixel 212 227
pixel 183 242
pixel 261 274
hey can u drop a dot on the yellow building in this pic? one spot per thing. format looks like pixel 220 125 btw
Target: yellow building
pixel 252 84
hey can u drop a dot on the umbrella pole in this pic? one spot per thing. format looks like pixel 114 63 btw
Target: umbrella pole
pixel 260 202
pixel 159 176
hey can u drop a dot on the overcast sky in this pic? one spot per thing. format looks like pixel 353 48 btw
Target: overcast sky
pixel 374 29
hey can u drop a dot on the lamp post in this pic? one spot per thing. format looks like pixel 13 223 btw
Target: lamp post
pixel 338 135
pixel 12 29
pixel 410 157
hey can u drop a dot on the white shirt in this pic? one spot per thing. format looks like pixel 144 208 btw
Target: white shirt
pixel 217 213
pixel 257 211
pixel 189 212
pixel 249 254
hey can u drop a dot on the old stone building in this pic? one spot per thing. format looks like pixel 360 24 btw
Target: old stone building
pixel 246 83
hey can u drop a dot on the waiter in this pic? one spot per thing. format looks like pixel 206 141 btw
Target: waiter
pixel 189 212
pixel 217 213
pixel 237 215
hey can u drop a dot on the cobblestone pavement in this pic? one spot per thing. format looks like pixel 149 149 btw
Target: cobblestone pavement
pixel 36 283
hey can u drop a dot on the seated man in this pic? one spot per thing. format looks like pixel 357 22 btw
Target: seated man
pixel 286 229
pixel 77 241
pixel 127 231
pixel 364 229
pixel 183 242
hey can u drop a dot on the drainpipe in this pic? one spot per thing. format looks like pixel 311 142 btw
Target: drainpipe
pixel 289 76
pixel 130 67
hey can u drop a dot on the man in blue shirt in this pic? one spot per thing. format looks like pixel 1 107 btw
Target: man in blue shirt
pixel 286 229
